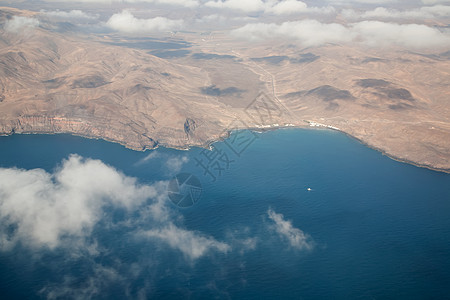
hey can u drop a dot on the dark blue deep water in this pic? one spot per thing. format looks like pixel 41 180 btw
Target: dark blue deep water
pixel 379 229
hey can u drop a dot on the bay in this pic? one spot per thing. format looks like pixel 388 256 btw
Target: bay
pixel 378 228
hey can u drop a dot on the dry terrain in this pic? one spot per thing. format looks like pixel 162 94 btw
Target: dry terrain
pixel 191 88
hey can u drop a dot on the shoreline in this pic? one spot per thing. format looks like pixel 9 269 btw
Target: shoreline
pixel 256 129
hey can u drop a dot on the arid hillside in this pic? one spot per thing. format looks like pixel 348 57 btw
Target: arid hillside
pixel 190 90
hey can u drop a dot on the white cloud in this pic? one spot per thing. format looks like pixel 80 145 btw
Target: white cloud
pixel 192 245
pixel 43 210
pixel 243 5
pixel 376 33
pixel 90 288
pixel 127 23
pixel 147 158
pixel 372 33
pixel 427 12
pixel 308 32
pixel 76 203
pixel 214 18
pixel 241 241
pixel 282 7
pixel 185 3
pixel 437 10
pixel 18 23
pixel 431 2
pixel 340 2
pixel 287 7
pixel 73 14
pixel 322 10
pixel 174 164
pixel 46 208
pixel 296 238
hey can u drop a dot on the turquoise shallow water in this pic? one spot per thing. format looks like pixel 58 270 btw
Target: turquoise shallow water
pixel 377 228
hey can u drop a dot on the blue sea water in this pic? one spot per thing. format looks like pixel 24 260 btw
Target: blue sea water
pixel 380 228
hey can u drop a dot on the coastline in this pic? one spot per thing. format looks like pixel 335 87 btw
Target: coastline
pixel 258 129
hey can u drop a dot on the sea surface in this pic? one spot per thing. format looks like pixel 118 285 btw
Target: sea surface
pixel 286 214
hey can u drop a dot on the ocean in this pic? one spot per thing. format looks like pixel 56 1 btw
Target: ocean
pixel 285 214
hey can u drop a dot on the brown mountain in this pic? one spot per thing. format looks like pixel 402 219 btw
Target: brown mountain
pixel 185 90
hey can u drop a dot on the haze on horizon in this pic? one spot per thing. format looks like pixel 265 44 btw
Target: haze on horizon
pixel 412 25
